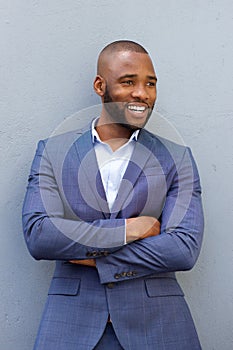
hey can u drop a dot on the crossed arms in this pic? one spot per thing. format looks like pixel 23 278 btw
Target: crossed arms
pixel 136 228
pixel 175 248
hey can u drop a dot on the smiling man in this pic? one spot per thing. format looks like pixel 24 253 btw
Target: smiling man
pixel 120 211
pixel 127 80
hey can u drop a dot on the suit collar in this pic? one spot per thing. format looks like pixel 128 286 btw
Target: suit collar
pixel 89 167
pixel 140 156
pixel 88 161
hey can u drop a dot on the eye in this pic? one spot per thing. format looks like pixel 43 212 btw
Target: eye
pixel 151 83
pixel 127 82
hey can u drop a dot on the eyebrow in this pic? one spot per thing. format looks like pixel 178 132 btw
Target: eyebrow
pixel 150 77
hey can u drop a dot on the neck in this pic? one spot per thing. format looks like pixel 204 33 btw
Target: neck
pixel 115 135
pixel 109 130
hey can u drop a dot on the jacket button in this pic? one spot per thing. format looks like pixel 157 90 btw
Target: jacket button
pixel 129 274
pixel 117 275
pixel 123 274
pixel 88 254
pixel 103 253
pixel 110 285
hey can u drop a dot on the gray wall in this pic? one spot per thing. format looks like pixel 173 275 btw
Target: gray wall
pixel 47 64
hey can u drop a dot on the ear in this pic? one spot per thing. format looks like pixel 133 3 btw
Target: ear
pixel 99 85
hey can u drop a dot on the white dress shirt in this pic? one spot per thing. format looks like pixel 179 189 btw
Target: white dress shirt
pixel 112 164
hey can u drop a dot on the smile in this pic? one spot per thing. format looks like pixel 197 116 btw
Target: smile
pixel 135 108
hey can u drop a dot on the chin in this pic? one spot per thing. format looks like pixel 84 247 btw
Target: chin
pixel 137 122
pixel 131 127
pixel 134 125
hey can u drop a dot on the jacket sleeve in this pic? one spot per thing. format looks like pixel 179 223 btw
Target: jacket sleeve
pixel 178 245
pixel 49 234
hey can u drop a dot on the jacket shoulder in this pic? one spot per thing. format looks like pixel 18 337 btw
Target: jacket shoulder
pixel 163 147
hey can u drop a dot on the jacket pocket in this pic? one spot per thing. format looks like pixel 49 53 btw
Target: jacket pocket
pixel 64 286
pixel 160 287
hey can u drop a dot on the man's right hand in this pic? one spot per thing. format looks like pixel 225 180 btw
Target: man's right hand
pixel 141 227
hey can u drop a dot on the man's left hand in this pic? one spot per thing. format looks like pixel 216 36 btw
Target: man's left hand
pixel 87 262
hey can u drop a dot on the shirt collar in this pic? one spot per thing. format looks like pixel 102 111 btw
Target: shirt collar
pixel 95 135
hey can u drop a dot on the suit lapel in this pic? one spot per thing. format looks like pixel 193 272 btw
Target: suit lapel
pixel 95 192
pixel 141 153
pixel 90 175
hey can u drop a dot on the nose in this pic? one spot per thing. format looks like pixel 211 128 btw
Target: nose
pixel 140 92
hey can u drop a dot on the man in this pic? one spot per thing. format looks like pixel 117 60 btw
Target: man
pixel 120 211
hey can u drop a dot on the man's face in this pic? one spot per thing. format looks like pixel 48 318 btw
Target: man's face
pixel 130 91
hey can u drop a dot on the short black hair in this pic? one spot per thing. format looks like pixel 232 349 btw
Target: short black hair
pixel 124 45
pixel 118 46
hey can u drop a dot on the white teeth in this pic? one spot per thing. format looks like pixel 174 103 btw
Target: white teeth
pixel 137 108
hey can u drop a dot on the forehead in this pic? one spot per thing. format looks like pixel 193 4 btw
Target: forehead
pixel 131 63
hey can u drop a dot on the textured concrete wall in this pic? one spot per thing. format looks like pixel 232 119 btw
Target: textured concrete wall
pixel 47 63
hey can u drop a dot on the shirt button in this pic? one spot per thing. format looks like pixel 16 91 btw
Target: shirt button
pixel 110 285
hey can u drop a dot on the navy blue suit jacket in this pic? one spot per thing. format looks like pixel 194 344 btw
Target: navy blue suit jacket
pixel 66 216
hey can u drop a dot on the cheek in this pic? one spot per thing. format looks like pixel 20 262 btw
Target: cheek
pixel 153 95
pixel 119 94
